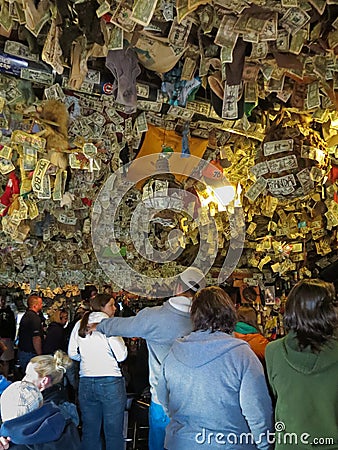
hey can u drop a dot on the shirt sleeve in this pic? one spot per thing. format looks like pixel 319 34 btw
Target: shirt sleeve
pixel 73 345
pixel 36 325
pixel 162 389
pixel 137 326
pixel 119 348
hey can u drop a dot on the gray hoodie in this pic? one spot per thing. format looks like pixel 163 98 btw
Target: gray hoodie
pixel 213 384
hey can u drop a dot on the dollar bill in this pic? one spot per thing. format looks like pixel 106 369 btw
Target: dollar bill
pixel 113 115
pixel 256 189
pixel 39 174
pixel 6 166
pixel 20 137
pixel 142 90
pixel 98 119
pixel 40 24
pixel 294 19
pixel 93 76
pixel 259 169
pixel 226 36
pixel 283 164
pixel 168 9
pixel 251 36
pixel 29 159
pixel 269 32
pixel 202 108
pixel 179 32
pixel 335 23
pixel 273 147
pixel 319 5
pixel 251 92
pixel 2 104
pixel 241 24
pixel 66 220
pixel 189 69
pixel 255 24
pixel 282 185
pixel 55 92
pixel 37 76
pixel 6 20
pixel 17 49
pixel 305 180
pixel 298 39
pixel 316 174
pixel 116 38
pixel 182 113
pixel 6 152
pixel 230 107
pixel 259 50
pixel 23 209
pixel 122 17
pixel 141 123
pixel 143 11
pixel 59 184
pixel 282 41
pixel 284 95
pixel 267 71
pixel 20 13
pixel 276 85
pixel 290 3
pixel 146 105
pixel 312 97
pixel 103 9
pixel 226 54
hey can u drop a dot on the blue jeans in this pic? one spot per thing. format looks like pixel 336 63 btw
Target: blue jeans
pixel 24 358
pixel 102 402
pixel 158 421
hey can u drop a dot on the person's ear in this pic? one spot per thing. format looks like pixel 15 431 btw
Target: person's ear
pixel 44 382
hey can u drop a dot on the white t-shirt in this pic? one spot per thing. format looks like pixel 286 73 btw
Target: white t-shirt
pixel 95 351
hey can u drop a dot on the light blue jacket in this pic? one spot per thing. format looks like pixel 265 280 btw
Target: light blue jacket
pixel 214 389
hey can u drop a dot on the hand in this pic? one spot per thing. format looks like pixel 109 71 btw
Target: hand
pixel 4 443
pixel 90 328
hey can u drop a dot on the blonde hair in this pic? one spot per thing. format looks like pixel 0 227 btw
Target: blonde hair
pixel 52 366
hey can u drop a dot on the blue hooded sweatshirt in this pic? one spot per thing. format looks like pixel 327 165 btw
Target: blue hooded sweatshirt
pixel 213 387
pixel 42 425
pixel 4 383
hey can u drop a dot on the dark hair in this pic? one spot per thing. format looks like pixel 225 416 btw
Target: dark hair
pixel 96 305
pixel 212 309
pixel 310 313
pixel 249 294
pixel 247 314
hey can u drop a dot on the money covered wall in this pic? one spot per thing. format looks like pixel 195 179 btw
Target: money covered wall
pixel 83 86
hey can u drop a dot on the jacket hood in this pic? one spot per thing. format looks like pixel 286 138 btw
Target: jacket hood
pixel 191 353
pixel 4 383
pixel 306 361
pixel 96 317
pixel 245 328
pixel 43 425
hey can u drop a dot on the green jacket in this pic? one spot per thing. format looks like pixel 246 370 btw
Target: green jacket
pixel 305 387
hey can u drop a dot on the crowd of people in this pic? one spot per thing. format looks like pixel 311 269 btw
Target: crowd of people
pixel 215 381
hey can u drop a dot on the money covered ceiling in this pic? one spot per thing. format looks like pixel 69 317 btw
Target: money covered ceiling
pixel 242 91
